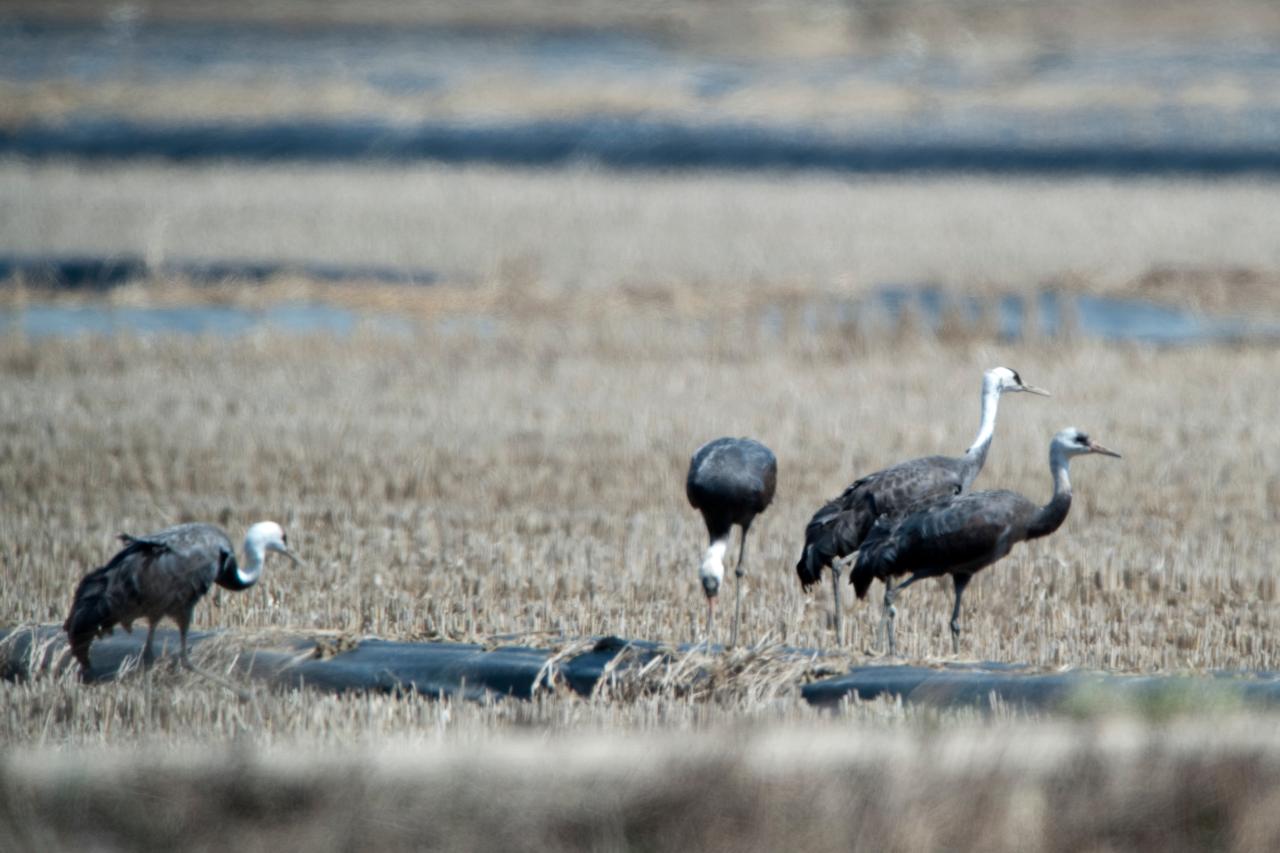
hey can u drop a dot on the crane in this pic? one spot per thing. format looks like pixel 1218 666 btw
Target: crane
pixel 731 481
pixel 839 527
pixel 165 574
pixel 962 535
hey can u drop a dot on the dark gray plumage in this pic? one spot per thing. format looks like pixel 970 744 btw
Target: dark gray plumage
pixel 731 481
pixel 962 535
pixel 164 574
pixel 840 526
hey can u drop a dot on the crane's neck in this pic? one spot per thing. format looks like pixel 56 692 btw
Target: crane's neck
pixel 237 577
pixel 1052 514
pixel 711 572
pixel 976 455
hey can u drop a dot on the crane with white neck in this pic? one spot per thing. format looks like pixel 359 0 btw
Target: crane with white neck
pixel 840 526
pixel 965 534
pixel 165 574
pixel 730 481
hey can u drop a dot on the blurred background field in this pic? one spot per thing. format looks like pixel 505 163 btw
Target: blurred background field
pixel 454 290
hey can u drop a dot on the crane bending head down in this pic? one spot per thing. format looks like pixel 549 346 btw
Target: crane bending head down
pixel 731 481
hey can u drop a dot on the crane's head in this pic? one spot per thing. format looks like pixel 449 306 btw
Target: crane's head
pixel 1072 442
pixel 712 571
pixel 1002 379
pixel 268 536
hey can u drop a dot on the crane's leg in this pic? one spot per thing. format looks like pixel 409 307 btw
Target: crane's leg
pixel 890 612
pixel 962 581
pixel 184 622
pixel 148 652
pixel 711 621
pixel 739 572
pixel 835 595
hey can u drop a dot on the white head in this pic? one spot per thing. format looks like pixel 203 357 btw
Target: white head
pixel 712 571
pixel 267 536
pixel 1072 442
pixel 1002 379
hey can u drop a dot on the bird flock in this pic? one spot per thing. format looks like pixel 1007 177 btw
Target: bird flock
pixel 918 518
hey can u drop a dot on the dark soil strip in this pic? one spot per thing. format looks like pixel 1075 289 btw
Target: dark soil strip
pixel 633 143
pixel 92 272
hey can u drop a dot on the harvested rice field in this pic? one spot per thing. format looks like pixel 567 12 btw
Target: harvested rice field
pixel 470 392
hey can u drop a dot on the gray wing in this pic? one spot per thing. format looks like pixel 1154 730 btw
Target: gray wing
pixel 840 526
pixel 185 560
pixel 960 534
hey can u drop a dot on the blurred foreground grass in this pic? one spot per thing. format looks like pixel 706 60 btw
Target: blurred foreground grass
pixel 1115 785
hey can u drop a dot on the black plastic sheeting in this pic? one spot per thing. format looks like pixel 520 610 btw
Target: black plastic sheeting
pixel 635 143
pixel 451 669
pixel 476 672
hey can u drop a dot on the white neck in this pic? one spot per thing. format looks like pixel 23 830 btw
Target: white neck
pixel 713 559
pixel 250 567
pixel 987 427
pixel 1059 462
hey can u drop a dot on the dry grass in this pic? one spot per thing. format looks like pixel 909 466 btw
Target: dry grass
pixel 808 28
pixel 684 239
pixel 533 480
pixel 517 466
pixel 995 84
pixel 1000 56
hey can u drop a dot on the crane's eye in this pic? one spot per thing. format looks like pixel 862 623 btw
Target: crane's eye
pixel 1016 377
pixel 1081 438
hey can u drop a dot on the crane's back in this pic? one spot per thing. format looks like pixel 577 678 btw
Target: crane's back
pixel 733 476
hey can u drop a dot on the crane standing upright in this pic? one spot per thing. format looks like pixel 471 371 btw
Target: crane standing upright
pixel 839 527
pixel 965 534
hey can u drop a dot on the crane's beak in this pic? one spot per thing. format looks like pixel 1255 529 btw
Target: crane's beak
pixel 1094 447
pixel 1034 390
pixel 297 561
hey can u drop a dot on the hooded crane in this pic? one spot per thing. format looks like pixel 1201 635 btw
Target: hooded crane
pixel 731 481
pixel 165 574
pixel 963 535
pixel 838 528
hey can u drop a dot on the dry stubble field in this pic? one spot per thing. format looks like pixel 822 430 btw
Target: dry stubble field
pixel 516 466
pixel 533 481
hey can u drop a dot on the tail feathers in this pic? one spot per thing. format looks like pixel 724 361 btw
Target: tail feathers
pixel 91 614
pixel 809 568
pixel 875 560
pixel 863 574
pixel 823 544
